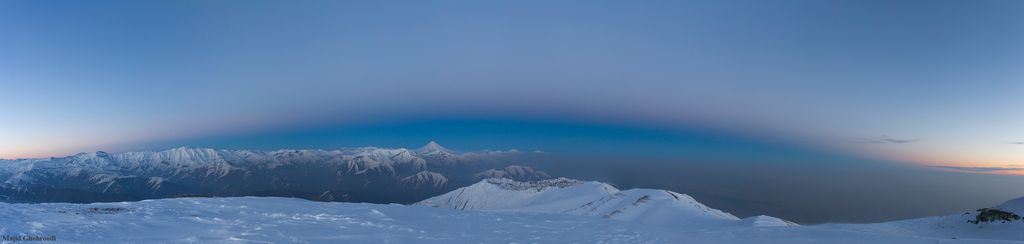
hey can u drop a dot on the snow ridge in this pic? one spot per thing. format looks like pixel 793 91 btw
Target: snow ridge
pixel 587 198
pixel 425 178
pixel 540 185
pixel 184 161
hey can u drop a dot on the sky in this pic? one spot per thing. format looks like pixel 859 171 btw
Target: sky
pixel 934 83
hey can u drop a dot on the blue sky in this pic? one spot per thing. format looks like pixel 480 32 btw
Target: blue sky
pixel 815 75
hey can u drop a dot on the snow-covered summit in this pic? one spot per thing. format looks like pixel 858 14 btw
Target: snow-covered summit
pixel 437 153
pixel 587 198
pixel 433 147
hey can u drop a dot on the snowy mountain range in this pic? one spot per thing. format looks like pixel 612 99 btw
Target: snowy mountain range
pixel 455 197
pixel 490 211
pixel 365 174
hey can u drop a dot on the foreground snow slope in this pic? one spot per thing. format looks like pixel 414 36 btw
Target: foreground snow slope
pixel 671 209
pixel 959 225
pixel 287 220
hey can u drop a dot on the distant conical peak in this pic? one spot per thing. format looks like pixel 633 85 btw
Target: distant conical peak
pixel 432 146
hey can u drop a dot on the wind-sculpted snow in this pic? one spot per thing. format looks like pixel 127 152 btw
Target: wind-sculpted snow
pixel 555 195
pixel 289 220
pixel 366 174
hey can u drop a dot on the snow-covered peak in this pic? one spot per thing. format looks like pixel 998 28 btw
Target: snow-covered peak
pixel 432 147
pixel 654 207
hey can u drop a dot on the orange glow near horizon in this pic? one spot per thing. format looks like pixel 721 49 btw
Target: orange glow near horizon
pixel 24 153
pixel 984 169
pixel 976 166
pixel 1005 158
pixel 957 163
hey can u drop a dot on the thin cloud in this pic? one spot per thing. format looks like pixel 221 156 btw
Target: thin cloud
pixel 1005 169
pixel 884 140
pixel 1017 142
